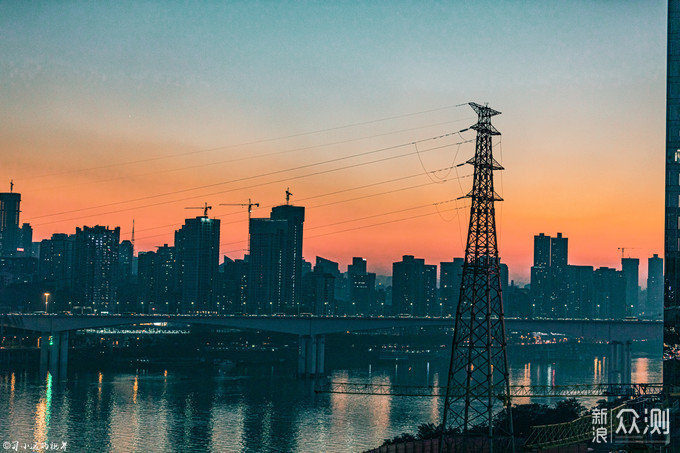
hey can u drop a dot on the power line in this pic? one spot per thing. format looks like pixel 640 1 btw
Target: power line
pixel 230 190
pixel 249 157
pixel 303 199
pixel 370 225
pixel 254 142
pixel 320 205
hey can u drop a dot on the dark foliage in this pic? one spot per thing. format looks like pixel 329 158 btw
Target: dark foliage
pixel 524 416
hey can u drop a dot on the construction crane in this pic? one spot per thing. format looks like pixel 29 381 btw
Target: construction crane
pixel 623 249
pixel 250 205
pixel 205 209
pixel 288 195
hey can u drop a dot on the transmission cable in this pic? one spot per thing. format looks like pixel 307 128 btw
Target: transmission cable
pixel 254 142
pixel 228 190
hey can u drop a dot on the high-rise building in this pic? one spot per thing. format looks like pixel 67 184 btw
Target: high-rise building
pixel 517 302
pixel 125 255
pixel 432 305
pixel 197 245
pixel 275 262
pixel 505 275
pixel 541 277
pixel 654 305
pixel 57 260
pixel 631 274
pixel 232 290
pixel 96 266
pixel 609 294
pixel 157 281
pixel 328 266
pixel 10 234
pixel 26 248
pixel 559 248
pixel 126 290
pixel 292 254
pixel 413 287
pixel 450 277
pixel 362 296
pixel 265 266
pixel 341 291
pixel 542 250
pixel 559 257
pixel 549 276
pixel 578 302
pixel 146 267
pixel 318 296
pixel 166 279
pixel 671 366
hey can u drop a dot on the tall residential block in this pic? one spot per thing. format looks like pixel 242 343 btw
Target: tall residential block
pixel 10 233
pixel 96 267
pixel 275 262
pixel 671 366
pixel 292 254
pixel 362 296
pixel 450 277
pixel 57 261
pixel 265 266
pixel 631 275
pixel 654 304
pixel 414 287
pixel 197 247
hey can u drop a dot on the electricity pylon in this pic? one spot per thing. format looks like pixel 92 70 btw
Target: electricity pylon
pixel 478 372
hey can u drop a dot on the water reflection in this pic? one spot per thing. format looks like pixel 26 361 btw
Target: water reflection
pixel 42 413
pixel 251 410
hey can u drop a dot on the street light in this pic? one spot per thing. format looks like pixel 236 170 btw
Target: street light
pixel 47 298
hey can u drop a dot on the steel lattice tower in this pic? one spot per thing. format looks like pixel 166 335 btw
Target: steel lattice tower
pixel 478 372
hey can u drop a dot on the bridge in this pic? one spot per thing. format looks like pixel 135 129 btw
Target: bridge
pixel 311 330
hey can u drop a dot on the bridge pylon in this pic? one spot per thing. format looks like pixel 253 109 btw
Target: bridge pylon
pixel 478 370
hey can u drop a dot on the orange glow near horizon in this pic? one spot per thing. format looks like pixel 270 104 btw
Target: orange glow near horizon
pixel 396 218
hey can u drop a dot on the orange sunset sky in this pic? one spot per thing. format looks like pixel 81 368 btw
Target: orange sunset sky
pixel 115 112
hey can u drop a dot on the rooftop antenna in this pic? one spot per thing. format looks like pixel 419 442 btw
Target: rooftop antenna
pixel 205 208
pixel 132 239
pixel 288 194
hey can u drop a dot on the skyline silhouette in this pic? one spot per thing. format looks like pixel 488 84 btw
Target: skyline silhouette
pixel 101 107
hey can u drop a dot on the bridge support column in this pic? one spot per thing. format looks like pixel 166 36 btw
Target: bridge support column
pixel 54 353
pixel 620 361
pixel 302 354
pixel 44 351
pixel 320 354
pixel 311 355
pixel 63 354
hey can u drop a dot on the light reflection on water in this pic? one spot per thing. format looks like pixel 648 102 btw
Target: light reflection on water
pixel 252 410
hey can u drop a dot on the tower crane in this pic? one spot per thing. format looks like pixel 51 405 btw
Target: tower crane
pixel 250 205
pixel 288 195
pixel 623 249
pixel 205 208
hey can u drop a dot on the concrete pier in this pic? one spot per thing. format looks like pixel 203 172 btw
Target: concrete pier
pixel 311 355
pixel 54 352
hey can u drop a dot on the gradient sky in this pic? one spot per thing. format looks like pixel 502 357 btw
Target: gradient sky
pixel 102 103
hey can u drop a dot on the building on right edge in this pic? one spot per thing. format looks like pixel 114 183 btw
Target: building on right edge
pixel 671 353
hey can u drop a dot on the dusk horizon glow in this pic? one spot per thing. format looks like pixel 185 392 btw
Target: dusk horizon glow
pixel 106 105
